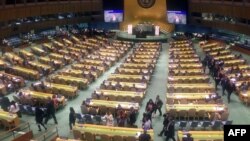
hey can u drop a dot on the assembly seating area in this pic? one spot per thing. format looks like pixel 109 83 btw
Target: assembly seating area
pixel 120 94
pixel 233 68
pixel 191 97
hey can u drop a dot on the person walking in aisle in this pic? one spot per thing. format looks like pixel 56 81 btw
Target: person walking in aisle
pixel 165 123
pixel 170 130
pixel 50 111
pixel 158 105
pixel 39 114
pixel 72 117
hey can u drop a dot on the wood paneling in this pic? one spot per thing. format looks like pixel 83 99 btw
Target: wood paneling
pixel 22 11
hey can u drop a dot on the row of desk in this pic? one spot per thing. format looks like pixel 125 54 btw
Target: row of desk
pixel 189 86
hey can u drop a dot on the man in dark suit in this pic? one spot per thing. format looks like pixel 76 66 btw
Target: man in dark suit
pixel 170 131
pixel 5 103
pixel 144 136
pixel 188 138
pixel 165 123
pixel 50 111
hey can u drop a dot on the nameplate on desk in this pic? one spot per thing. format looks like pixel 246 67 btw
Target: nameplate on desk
pixel 236 132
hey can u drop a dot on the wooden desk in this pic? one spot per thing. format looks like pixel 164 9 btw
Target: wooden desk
pixel 39 66
pixel 85 66
pixel 129 84
pixel 78 73
pixel 207 107
pixel 138 71
pixel 218 48
pixel 10 118
pixel 182 61
pixel 240 67
pixel 111 131
pixel 235 62
pixel 149 61
pixel 120 93
pixel 81 83
pixel 41 97
pixel 27 54
pixel 65 90
pixel 132 65
pixel 48 61
pixel 182 52
pixel 225 57
pixel 113 104
pixel 26 73
pixel 60 57
pixel 204 78
pixel 184 56
pixel 182 72
pixel 201 135
pixel 223 52
pixel 113 76
pixel 193 65
pixel 11 56
pixel 189 96
pixel 38 51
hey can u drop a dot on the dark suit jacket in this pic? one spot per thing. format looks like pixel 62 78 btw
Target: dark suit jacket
pixel 187 139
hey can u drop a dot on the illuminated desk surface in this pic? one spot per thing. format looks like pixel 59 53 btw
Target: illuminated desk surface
pixel 129 84
pixel 119 93
pixel 111 131
pixel 188 77
pixel 113 104
pixel 189 95
pixel 206 107
pixel 9 117
pixel 192 85
pixel 202 135
pixel 112 76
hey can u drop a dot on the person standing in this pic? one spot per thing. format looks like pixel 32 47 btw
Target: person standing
pixel 165 123
pixel 158 105
pixel 170 131
pixel 132 117
pixel 50 111
pixel 230 89
pixel 39 114
pixel 14 109
pixel 72 117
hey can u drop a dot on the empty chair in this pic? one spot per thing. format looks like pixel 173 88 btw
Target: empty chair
pixel 202 114
pixel 228 122
pixel 77 135
pixel 130 138
pixel 206 124
pixel 191 114
pixel 182 125
pixel 105 138
pixel 217 125
pixel 182 114
pixel 117 138
pixel 89 136
pixel 194 124
pixel 98 119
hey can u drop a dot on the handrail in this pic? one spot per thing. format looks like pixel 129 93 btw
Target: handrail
pixel 12 132
pixel 49 133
